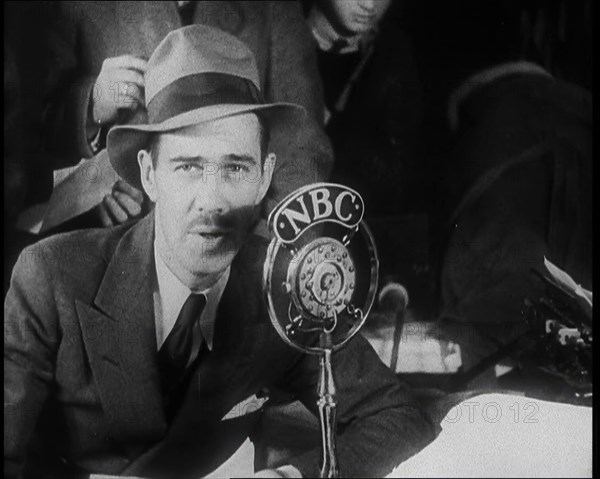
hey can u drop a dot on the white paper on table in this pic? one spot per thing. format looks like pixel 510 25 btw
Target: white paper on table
pixel 565 280
pixel 77 189
pixel 502 435
pixel 241 464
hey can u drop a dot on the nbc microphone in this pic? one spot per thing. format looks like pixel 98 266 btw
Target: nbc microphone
pixel 320 279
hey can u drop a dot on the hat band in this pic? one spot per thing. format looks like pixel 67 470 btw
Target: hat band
pixel 201 90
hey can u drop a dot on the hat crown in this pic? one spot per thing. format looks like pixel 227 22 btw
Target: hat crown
pixel 197 49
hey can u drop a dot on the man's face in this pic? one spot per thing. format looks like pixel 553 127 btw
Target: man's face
pixel 206 181
pixel 353 17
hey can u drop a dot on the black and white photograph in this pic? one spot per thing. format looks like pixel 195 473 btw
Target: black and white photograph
pixel 298 238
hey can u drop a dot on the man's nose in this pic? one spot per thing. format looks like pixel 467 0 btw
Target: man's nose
pixel 210 196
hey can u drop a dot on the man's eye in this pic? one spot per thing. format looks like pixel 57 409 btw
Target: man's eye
pixel 188 167
pixel 236 168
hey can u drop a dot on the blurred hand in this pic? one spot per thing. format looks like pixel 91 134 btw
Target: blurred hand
pixel 120 85
pixel 124 203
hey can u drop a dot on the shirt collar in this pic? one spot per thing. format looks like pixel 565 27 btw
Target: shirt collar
pixel 485 77
pixel 172 293
pixel 326 35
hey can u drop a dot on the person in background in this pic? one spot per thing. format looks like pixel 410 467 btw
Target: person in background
pixel 372 98
pixel 373 116
pixel 516 182
pixel 14 169
pixel 14 177
pixel 102 58
pixel 27 174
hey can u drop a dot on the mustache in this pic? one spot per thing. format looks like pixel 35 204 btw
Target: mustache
pixel 213 221
pixel 230 220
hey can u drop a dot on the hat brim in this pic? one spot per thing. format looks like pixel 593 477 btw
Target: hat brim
pixel 125 141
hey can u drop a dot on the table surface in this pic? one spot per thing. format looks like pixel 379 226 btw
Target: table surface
pixel 505 435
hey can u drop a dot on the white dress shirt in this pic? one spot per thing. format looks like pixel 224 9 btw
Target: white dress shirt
pixel 169 296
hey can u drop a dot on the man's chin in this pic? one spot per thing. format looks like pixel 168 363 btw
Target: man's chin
pixel 210 257
pixel 209 265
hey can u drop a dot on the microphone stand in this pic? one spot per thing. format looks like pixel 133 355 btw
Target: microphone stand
pixel 327 409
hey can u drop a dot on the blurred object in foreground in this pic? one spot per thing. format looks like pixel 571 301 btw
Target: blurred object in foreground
pixel 393 297
pixel 403 248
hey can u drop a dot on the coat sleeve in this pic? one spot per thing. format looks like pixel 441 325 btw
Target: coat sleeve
pixel 30 341
pixel 304 153
pixel 379 422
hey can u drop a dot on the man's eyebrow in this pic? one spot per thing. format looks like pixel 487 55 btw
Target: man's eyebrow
pixel 228 157
pixel 187 159
pixel 240 158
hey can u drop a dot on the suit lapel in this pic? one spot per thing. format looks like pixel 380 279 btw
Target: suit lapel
pixel 121 339
pixel 223 373
pixel 221 379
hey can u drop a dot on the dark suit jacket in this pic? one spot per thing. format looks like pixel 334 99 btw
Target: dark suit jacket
pixel 274 31
pixel 520 185
pixel 81 389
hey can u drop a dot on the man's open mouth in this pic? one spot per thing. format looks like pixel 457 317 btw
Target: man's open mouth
pixel 211 235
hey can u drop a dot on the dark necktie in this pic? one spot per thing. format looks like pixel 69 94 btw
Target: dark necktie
pixel 174 355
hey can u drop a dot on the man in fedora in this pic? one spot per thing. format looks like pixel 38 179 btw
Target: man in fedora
pixel 146 350
pixel 96 80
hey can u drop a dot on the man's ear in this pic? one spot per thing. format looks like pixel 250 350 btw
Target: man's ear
pixel 267 176
pixel 147 174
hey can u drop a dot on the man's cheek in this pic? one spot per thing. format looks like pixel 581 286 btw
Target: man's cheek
pixel 173 216
pixel 177 199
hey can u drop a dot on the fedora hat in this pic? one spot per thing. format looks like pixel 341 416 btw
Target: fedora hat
pixel 195 75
